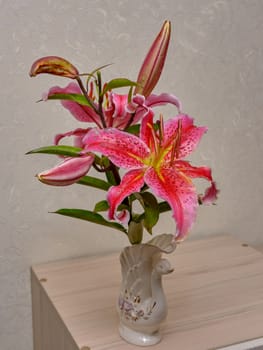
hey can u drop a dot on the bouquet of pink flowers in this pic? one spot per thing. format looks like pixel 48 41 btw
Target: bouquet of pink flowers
pixel 124 132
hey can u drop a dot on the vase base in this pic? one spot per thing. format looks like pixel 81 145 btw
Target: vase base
pixel 139 338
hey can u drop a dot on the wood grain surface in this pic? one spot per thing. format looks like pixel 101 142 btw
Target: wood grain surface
pixel 215 298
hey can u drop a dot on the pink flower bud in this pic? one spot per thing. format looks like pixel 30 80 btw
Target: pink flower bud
pixel 154 61
pixel 68 172
pixel 54 65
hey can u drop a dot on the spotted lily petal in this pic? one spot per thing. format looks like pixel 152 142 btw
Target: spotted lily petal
pixel 68 172
pixel 190 134
pixel 179 192
pixel 131 182
pixel 123 149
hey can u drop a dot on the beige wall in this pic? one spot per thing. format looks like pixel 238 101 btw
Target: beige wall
pixel 215 67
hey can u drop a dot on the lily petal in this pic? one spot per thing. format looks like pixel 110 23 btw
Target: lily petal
pixel 78 133
pixel 179 192
pixel 163 99
pixel 131 182
pixel 120 103
pixel 123 149
pixel 190 135
pixel 190 140
pixel 68 172
pixel 147 131
pixel 119 114
pixel 210 195
pixel 137 100
pixel 80 112
pixel 193 172
pixel 123 216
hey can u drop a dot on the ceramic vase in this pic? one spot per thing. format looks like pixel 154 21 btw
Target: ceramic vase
pixel 142 304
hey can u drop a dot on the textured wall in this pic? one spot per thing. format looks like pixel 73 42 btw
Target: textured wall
pixel 215 66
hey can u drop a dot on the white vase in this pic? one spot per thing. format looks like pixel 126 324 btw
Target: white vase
pixel 142 304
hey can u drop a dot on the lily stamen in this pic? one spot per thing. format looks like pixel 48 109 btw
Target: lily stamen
pixel 154 138
pixel 160 124
pixel 91 90
pixel 178 138
pixel 176 143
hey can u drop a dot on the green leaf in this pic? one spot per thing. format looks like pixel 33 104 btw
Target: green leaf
pixel 91 217
pixel 94 182
pixel 104 205
pixel 118 83
pixel 59 149
pixel 110 177
pixel 151 210
pixel 81 99
pixel 134 129
pixel 101 206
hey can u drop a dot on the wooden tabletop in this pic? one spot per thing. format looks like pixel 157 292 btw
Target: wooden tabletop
pixel 215 298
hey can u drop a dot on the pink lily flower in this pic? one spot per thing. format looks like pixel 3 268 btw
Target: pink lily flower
pixel 157 159
pixel 117 111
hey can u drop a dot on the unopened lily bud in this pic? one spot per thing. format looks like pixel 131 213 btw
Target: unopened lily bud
pixel 154 61
pixel 68 172
pixel 54 65
pixel 135 232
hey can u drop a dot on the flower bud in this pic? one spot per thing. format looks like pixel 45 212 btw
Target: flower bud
pixel 135 232
pixel 154 61
pixel 68 172
pixel 54 65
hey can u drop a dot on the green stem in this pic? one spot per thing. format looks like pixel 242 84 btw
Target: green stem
pixel 130 121
pixel 100 101
pixel 99 110
pixel 115 173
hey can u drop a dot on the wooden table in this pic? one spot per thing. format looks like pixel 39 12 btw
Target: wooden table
pixel 215 298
